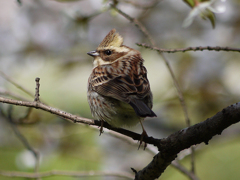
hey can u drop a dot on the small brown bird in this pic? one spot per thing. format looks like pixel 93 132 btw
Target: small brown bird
pixel 118 89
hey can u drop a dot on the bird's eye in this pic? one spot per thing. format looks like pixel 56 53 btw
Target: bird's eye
pixel 108 52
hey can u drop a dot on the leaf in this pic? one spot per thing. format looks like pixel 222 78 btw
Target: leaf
pixel 19 2
pixel 190 3
pixel 209 15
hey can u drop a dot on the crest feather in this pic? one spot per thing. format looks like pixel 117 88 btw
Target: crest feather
pixel 112 39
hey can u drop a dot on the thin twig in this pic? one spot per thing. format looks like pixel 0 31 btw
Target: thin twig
pixel 147 34
pixel 181 168
pixel 40 105
pixel 193 160
pixel 22 138
pixel 77 119
pixel 145 6
pixel 11 94
pixel 66 173
pixel 135 22
pixel 9 79
pixel 179 91
pixel 198 48
pixel 37 89
pixel 24 119
pixel 127 139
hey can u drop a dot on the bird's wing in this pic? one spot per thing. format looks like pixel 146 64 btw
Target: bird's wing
pixel 131 87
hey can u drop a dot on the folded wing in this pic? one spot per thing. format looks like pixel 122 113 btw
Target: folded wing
pixel 132 87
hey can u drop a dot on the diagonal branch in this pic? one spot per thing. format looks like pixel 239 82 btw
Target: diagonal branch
pixel 76 119
pixel 142 28
pixel 21 137
pixel 181 168
pixel 202 132
pixel 16 84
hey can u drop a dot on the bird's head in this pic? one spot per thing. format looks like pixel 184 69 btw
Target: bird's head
pixel 110 49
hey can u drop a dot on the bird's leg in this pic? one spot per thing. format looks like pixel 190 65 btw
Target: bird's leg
pixel 101 128
pixel 144 134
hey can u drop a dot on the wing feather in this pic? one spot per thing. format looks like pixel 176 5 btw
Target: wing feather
pixel 130 86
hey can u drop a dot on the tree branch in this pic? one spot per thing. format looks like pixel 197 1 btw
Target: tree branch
pixel 37 89
pixel 65 173
pixel 181 168
pixel 16 84
pixel 142 28
pixel 77 119
pixel 22 138
pixel 199 48
pixel 202 132
pixel 5 92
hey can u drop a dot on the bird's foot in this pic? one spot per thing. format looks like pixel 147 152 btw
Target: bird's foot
pixel 144 134
pixel 101 128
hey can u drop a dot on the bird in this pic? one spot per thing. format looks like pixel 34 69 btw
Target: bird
pixel 118 88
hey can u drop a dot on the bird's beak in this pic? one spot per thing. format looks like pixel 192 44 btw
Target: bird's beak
pixel 93 53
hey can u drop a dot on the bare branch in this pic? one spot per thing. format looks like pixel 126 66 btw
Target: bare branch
pixel 22 138
pixel 145 6
pixel 135 22
pixel 39 105
pixel 193 160
pixel 65 173
pixel 202 132
pixel 11 94
pixel 178 166
pixel 140 26
pixel 74 118
pixel 37 89
pixel 16 84
pixel 152 151
pixel 199 48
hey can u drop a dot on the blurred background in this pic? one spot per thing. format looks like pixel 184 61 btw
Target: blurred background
pixel 49 39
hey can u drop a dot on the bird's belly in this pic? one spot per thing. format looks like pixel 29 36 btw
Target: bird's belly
pixel 124 116
pixel 114 112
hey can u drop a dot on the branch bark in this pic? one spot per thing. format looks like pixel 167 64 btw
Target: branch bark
pixel 198 48
pixel 202 132
pixel 65 173
pixel 76 119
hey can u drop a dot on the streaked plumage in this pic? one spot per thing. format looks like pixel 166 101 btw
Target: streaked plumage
pixel 118 89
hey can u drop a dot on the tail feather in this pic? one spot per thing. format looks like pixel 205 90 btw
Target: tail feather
pixel 141 109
